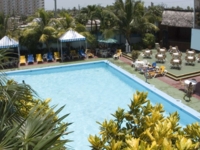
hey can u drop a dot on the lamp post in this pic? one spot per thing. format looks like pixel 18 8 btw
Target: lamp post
pixel 55 7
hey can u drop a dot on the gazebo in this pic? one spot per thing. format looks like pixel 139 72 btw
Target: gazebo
pixel 70 36
pixel 7 42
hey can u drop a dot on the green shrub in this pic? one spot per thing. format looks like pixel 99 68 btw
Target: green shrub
pixel 148 40
pixel 135 54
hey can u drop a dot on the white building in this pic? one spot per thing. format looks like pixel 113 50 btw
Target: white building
pixel 20 7
pixel 196 27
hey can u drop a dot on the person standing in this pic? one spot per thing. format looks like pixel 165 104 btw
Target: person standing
pixel 189 91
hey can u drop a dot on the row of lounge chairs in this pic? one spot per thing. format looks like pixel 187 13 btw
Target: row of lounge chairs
pixel 79 54
pixel 56 57
pixel 149 70
pixel 39 58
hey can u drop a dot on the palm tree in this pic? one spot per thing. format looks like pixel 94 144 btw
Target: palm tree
pixel 90 11
pixel 67 22
pixel 4 26
pixel 41 30
pixel 131 16
pixel 107 21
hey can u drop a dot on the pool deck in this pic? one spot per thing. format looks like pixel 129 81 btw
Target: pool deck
pixel 165 84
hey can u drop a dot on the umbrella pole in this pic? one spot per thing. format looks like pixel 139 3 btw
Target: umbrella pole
pixel 61 51
pixel 18 55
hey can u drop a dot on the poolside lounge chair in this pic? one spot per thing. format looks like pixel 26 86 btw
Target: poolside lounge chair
pixel 82 53
pixel 74 54
pixel 49 57
pixel 22 60
pixel 39 58
pixel 117 54
pixel 159 72
pixel 30 59
pixel 154 64
pixel 57 56
pixel 89 53
pixel 44 57
pixel 104 52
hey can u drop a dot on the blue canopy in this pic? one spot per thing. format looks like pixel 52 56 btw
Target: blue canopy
pixel 7 42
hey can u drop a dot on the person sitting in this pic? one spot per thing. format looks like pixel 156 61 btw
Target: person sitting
pixel 189 91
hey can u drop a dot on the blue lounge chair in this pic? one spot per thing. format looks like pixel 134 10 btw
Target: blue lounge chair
pixel 49 57
pixel 154 64
pixel 30 59
pixel 82 54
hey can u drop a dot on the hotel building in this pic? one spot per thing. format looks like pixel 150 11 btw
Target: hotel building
pixel 20 7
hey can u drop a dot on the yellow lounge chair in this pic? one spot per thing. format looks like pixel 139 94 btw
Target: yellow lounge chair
pixel 89 54
pixel 117 54
pixel 57 56
pixel 74 54
pixel 39 58
pixel 158 72
pixel 22 60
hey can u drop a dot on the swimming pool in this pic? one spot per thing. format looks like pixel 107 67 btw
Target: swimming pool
pixel 91 92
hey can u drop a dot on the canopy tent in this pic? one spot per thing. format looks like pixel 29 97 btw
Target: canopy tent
pixel 108 41
pixel 7 42
pixel 70 36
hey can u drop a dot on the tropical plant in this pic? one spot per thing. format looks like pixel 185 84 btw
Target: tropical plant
pixel 135 54
pixel 148 40
pixel 67 22
pixel 42 30
pixel 144 126
pixel 3 25
pixel 90 11
pixel 133 17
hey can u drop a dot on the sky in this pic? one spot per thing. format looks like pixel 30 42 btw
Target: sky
pixel 49 4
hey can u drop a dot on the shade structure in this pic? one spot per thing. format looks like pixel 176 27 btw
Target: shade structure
pixel 7 42
pixel 108 41
pixel 71 36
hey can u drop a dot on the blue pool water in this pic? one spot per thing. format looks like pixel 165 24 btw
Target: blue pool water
pixel 91 92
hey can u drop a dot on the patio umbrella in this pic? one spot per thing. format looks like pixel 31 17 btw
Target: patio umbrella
pixel 108 41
